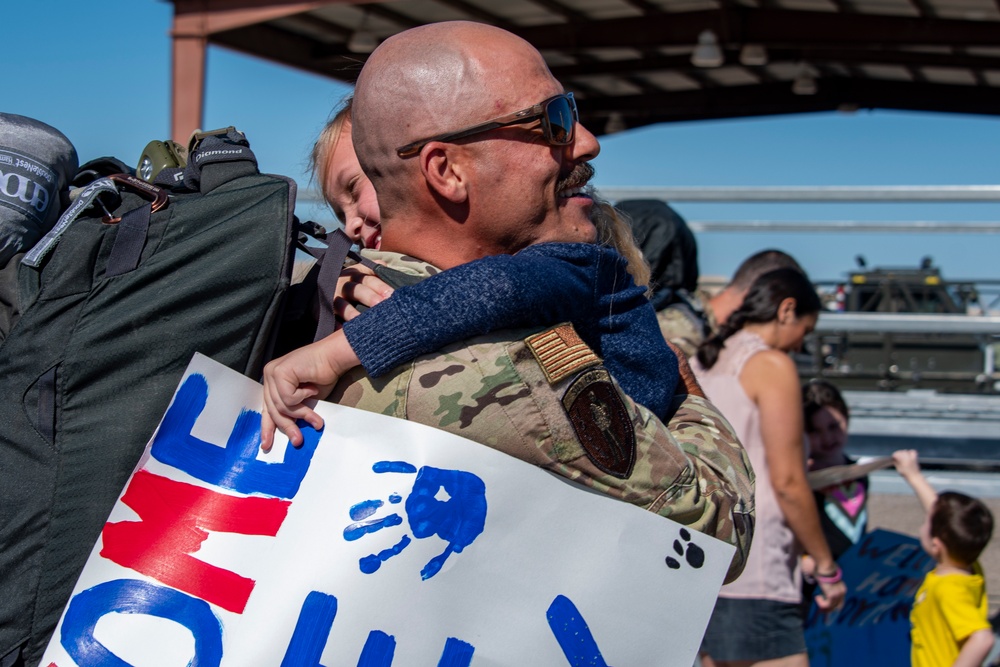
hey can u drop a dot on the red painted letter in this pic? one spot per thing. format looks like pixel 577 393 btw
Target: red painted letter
pixel 175 519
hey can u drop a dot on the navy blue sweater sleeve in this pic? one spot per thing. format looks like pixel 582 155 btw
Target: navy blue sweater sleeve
pixel 631 343
pixel 497 292
pixel 543 284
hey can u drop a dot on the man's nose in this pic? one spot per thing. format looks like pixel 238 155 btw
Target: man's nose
pixel 585 145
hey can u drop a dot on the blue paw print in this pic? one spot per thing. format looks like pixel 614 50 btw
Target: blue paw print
pixel 448 503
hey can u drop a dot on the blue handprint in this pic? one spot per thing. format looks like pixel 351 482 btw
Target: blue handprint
pixel 458 518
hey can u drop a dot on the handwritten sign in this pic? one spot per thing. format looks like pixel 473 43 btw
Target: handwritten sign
pixel 882 572
pixel 378 542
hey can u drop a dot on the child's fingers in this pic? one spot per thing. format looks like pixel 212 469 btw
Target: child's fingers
pixel 344 309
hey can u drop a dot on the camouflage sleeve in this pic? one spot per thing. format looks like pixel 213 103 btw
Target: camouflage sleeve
pixel 678 328
pixel 726 473
pixel 570 417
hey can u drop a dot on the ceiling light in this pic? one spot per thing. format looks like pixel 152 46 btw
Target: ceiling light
pixel 707 53
pixel 753 55
pixel 616 123
pixel 805 82
pixel 362 40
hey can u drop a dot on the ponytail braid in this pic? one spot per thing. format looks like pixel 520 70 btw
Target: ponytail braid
pixel 761 305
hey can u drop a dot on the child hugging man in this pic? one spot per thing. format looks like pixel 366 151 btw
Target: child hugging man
pixel 948 620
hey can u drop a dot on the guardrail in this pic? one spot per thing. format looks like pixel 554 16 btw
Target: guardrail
pixel 908 323
pixel 832 194
pixel 823 193
pixel 807 194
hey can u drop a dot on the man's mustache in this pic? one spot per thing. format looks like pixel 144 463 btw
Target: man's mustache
pixel 577 178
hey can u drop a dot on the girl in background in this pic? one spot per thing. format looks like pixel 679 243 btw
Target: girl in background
pixel 746 371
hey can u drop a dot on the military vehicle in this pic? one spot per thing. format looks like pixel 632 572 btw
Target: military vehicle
pixel 915 356
pixel 897 329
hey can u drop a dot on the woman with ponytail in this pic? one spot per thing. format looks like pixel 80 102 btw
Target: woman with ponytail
pixel 746 371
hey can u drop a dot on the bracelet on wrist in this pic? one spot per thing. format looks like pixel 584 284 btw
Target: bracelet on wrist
pixel 834 577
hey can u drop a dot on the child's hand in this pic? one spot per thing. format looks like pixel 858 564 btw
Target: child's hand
pixel 309 372
pixel 909 467
pixel 358 285
pixel 906 462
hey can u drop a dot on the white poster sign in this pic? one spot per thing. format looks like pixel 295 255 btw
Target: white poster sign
pixel 379 542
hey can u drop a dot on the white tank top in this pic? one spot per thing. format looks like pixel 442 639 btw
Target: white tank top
pixel 772 569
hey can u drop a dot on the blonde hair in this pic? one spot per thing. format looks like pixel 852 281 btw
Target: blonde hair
pixel 326 144
pixel 613 229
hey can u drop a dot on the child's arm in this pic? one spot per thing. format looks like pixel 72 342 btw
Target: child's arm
pixel 975 649
pixel 309 372
pixel 543 284
pixel 908 465
pixel 631 342
pixel 530 288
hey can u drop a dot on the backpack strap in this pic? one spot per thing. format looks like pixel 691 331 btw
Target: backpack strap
pixel 133 226
pixel 216 158
pixel 127 249
pixel 83 202
pixel 330 265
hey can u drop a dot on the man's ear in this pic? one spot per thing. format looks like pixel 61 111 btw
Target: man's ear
pixel 444 171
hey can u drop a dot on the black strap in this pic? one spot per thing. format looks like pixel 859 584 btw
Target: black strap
pixel 46 418
pixel 394 278
pixel 14 658
pixel 326 281
pixel 332 261
pixel 131 238
pixel 217 159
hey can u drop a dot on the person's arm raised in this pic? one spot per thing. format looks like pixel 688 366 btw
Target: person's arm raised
pixel 907 465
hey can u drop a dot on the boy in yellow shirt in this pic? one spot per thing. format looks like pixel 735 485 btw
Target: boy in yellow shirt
pixel 948 619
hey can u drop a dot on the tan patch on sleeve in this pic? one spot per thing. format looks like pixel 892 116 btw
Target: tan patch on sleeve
pixel 602 422
pixel 561 352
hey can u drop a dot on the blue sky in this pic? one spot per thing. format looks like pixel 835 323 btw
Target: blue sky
pixel 100 73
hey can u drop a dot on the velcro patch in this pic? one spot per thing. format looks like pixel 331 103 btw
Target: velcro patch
pixel 601 422
pixel 561 352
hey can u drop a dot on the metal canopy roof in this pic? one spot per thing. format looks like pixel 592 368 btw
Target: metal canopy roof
pixel 629 61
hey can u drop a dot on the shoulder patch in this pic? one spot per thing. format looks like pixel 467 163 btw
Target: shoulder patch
pixel 601 422
pixel 561 352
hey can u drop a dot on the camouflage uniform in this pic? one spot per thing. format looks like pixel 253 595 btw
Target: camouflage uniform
pixel 544 397
pixel 683 327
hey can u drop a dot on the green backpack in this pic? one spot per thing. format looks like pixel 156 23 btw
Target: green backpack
pixel 133 280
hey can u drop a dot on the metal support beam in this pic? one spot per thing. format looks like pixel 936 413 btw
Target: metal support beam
pixel 852 226
pixel 809 193
pixel 194 21
pixel 766 26
pixel 188 86
pixel 907 323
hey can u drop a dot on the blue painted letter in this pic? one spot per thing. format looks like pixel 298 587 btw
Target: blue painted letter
pixel 378 651
pixel 311 631
pixel 128 596
pixel 234 466
pixel 573 635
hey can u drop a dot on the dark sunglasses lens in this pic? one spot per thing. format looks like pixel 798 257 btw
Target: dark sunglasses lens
pixel 561 119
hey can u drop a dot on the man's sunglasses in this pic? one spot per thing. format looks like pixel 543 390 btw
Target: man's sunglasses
pixel 558 115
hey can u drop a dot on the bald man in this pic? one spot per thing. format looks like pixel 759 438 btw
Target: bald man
pixel 474 149
pixel 689 323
